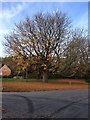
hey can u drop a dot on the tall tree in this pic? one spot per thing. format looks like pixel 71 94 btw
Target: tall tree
pixel 76 54
pixel 41 38
pixel 22 63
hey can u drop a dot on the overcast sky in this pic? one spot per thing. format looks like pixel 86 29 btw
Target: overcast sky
pixel 14 12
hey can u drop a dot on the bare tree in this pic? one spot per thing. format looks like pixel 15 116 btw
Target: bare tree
pixel 42 38
pixel 76 54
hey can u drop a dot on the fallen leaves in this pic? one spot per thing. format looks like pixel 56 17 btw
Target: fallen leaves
pixel 39 86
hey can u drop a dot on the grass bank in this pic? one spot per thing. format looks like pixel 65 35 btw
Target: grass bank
pixel 21 85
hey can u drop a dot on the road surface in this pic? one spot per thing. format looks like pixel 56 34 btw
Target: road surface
pixel 48 104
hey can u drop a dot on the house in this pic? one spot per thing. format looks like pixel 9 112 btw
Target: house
pixel 5 71
pixel 0 64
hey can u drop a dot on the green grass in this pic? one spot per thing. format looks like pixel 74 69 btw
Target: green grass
pixel 38 80
pixel 25 80
pixel 19 80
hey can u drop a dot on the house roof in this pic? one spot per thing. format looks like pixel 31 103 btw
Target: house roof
pixel 0 65
pixel 5 71
pixel 5 66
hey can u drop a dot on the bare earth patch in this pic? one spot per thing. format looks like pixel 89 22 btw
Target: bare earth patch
pixel 39 86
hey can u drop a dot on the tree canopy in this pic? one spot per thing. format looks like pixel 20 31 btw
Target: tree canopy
pixel 47 41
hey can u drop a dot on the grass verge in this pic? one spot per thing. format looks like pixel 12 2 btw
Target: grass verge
pixel 39 86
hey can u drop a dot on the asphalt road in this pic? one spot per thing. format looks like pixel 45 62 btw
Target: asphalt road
pixel 48 104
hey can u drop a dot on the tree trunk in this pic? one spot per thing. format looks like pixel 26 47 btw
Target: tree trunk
pixel 45 76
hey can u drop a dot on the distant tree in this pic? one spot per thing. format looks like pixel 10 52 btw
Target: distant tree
pixel 76 54
pixel 42 38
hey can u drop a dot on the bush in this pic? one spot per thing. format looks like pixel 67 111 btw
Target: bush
pixel 18 77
